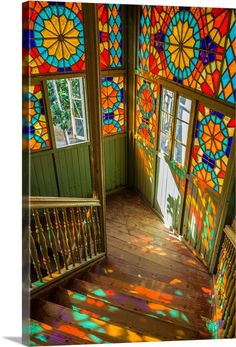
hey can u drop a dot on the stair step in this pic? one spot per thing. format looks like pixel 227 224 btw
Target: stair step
pixel 47 312
pixel 95 323
pixel 139 305
pixel 180 302
pixel 145 325
pixel 46 335
pixel 152 272
pixel 173 287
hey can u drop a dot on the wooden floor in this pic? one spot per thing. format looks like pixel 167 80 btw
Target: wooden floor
pixel 150 288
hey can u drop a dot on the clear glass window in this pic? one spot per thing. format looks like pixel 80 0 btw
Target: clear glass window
pixel 166 120
pixel 181 129
pixel 68 110
pixel 164 144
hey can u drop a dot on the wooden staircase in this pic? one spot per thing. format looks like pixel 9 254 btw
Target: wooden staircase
pixel 143 291
pixel 105 306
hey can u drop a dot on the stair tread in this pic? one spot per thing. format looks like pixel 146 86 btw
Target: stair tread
pixel 151 271
pixel 133 320
pixel 47 312
pixel 49 335
pixel 139 305
pixel 94 322
pixel 110 270
pixel 180 302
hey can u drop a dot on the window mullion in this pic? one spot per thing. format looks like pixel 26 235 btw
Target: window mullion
pixel 174 121
pixel 48 113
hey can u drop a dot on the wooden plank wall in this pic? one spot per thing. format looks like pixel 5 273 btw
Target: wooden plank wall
pixel 62 172
pixel 115 148
pixel 144 172
pixel 66 171
pixel 43 175
pixel 200 220
pixel 73 171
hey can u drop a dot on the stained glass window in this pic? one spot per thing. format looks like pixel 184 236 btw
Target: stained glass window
pixel 113 105
pixel 53 38
pixel 144 39
pixel 146 115
pixel 35 130
pixel 187 46
pixel 213 141
pixel 110 35
pixel 227 90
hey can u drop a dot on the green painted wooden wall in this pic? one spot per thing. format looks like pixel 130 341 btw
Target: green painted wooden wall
pixel 144 172
pixel 62 172
pixel 67 172
pixel 115 149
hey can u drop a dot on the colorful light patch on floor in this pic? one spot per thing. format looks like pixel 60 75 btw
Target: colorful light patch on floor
pixel 156 310
pixel 101 324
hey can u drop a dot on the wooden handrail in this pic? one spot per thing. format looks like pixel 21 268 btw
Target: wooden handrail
pixel 66 233
pixel 225 285
pixel 36 202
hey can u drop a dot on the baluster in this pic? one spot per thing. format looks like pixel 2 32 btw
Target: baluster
pixel 62 240
pixel 75 234
pixel 52 239
pixel 42 242
pixel 93 230
pixel 87 232
pixel 35 258
pixel 100 246
pixel 90 232
pixel 68 237
pixel 230 313
pixel 231 332
pixel 82 232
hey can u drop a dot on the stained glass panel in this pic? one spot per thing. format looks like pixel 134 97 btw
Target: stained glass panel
pixel 113 105
pixel 35 129
pixel 186 45
pixel 110 35
pixel 146 115
pixel 212 146
pixel 227 89
pixel 53 37
pixel 144 39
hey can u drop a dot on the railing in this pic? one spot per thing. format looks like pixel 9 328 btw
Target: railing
pixel 225 286
pixel 65 234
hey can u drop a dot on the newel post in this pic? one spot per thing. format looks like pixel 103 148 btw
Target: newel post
pixel 93 92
